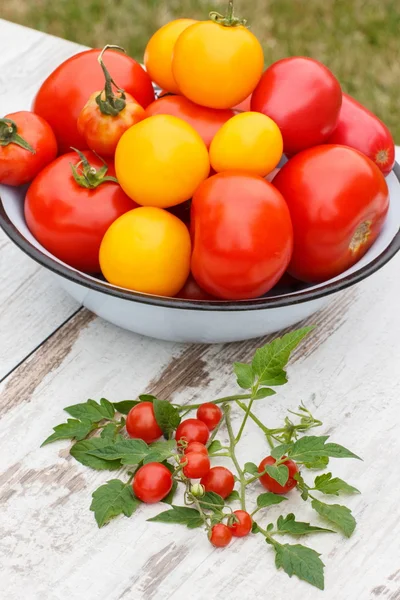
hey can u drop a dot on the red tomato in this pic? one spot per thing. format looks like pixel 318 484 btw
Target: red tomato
pixel 338 200
pixel 303 97
pixel 65 92
pixel 192 291
pixel 243 526
pixel 197 464
pixel 206 121
pixel 219 480
pixel 27 145
pixel 242 236
pixel 210 414
pixel 244 106
pixel 70 220
pixel 152 483
pixel 361 129
pixel 141 423
pixel 273 486
pixel 192 430
pixel 221 535
pixel 196 447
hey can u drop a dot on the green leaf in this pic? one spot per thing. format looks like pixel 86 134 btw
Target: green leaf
pixel 81 451
pixel 318 464
pixel 72 429
pixel 302 486
pixel 280 450
pixel 214 447
pixel 180 515
pixel 160 451
pixel 289 525
pixel 168 499
pixel 264 393
pixel 337 514
pixel 269 361
pixel 312 448
pixel 233 496
pixel 255 528
pixel 300 561
pixel 211 501
pixel 244 374
pixel 280 474
pixel 92 411
pixel 112 499
pixel 147 398
pixel 130 452
pixel 125 406
pixel 328 485
pixel 269 499
pixel 250 467
pixel 167 416
pixel 109 431
pixel 338 451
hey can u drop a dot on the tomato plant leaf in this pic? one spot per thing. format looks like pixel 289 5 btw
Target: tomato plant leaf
pixel 81 451
pixel 269 499
pixel 167 416
pixel 280 450
pixel 181 515
pixel 338 451
pixel 337 514
pixel 264 393
pixel 160 451
pixel 318 464
pixel 301 561
pixel 169 498
pixel 125 406
pixel 130 452
pixel 233 496
pixel 312 448
pixel 110 431
pixel 92 411
pixel 214 447
pixel 211 501
pixel 112 499
pixel 244 374
pixel 251 468
pixel 326 484
pixel 280 473
pixel 289 525
pixel 72 429
pixel 147 398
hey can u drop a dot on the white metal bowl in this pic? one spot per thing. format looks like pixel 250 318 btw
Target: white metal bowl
pixel 199 321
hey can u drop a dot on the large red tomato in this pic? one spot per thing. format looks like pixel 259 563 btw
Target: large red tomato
pixel 359 128
pixel 338 200
pixel 242 236
pixel 303 97
pixel 206 121
pixel 70 219
pixel 65 92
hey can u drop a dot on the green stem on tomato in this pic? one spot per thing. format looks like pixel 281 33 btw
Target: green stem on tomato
pixel 232 444
pixel 246 416
pixel 214 433
pixel 218 401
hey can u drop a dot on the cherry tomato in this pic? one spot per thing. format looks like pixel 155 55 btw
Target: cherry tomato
pixel 196 447
pixel 242 236
pixel 361 129
pixel 250 142
pixel 161 161
pixel 244 106
pixel 68 208
pixel 206 121
pixel 338 200
pixel 210 414
pixel 219 480
pixel 159 51
pixel 147 250
pixel 273 486
pixel 152 483
pixel 303 98
pixel 141 423
pixel 192 291
pixel 27 145
pixel 227 64
pixel 65 92
pixel 192 430
pixel 221 535
pixel 197 464
pixel 243 526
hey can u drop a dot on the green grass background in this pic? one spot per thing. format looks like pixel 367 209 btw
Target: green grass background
pixel 358 39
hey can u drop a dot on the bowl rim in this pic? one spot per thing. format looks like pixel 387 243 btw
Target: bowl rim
pixel 270 302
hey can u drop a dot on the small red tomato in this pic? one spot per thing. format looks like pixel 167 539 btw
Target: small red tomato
pixel 210 414
pixel 152 483
pixel 192 291
pixel 273 486
pixel 361 129
pixel 27 145
pixel 141 423
pixel 303 97
pixel 221 535
pixel 192 430
pixel 243 526
pixel 197 464
pixel 219 480
pixel 206 121
pixel 196 447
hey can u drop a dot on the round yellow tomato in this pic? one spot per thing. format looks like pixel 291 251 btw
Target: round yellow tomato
pixel 159 50
pixel 249 142
pixel 161 161
pixel 147 250
pixel 216 65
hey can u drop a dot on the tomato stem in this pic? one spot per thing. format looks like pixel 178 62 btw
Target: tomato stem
pixel 108 102
pixel 87 176
pixel 187 407
pixel 9 135
pixel 228 20
pixel 232 444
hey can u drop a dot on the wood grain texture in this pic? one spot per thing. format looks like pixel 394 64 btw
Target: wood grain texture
pixel 346 371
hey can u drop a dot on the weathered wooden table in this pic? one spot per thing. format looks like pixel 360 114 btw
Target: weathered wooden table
pixel 54 353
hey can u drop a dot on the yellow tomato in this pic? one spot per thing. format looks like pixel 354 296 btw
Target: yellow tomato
pixel 159 50
pixel 161 161
pixel 249 142
pixel 147 250
pixel 216 65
